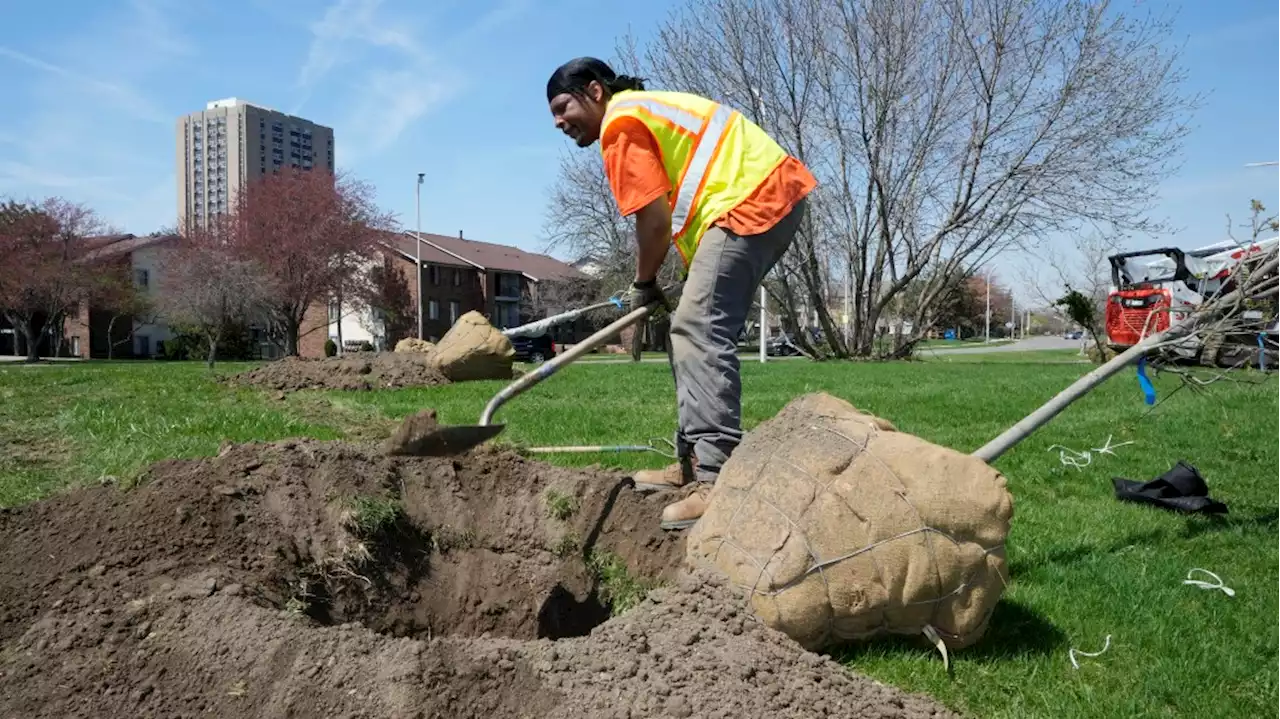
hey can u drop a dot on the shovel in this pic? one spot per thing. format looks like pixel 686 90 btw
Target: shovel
pixel 421 435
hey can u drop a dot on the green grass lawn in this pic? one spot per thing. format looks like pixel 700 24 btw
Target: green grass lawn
pixel 1083 565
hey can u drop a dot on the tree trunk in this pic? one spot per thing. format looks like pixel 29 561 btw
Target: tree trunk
pixel 33 345
pixel 340 343
pixel 291 339
pixel 213 352
pixel 111 340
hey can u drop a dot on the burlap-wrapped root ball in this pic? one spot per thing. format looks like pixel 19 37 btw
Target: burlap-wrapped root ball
pixel 474 349
pixel 413 344
pixel 842 528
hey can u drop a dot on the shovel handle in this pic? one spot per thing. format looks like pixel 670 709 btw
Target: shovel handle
pixel 556 363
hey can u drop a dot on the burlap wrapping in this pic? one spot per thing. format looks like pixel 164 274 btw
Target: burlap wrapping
pixel 474 349
pixel 413 344
pixel 842 528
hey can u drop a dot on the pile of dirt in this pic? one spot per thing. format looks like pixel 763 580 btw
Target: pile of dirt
pixel 362 371
pixel 307 578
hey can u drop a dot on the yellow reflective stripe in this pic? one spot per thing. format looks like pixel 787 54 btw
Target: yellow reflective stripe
pixel 702 156
pixel 678 117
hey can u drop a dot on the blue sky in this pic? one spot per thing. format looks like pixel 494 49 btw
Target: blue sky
pixel 455 89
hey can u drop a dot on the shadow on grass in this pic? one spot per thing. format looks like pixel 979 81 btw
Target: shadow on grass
pixel 1197 525
pixel 1015 630
pixel 1021 564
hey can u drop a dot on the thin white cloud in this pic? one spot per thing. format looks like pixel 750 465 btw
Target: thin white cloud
pixel 152 24
pixel 18 174
pixel 345 28
pixel 390 103
pixel 91 83
pixel 119 94
pixel 393 81
pixel 507 11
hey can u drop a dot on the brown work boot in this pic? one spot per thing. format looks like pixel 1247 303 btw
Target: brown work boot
pixel 672 476
pixel 687 512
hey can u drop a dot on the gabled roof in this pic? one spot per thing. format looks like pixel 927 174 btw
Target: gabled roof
pixel 122 245
pixel 403 243
pixel 503 258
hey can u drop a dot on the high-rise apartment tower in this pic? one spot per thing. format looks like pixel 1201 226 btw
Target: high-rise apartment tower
pixel 231 143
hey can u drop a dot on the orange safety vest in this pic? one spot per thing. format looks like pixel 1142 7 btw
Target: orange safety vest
pixel 714 157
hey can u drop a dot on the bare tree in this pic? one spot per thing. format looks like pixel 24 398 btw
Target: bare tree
pixel 941 133
pixel 1084 268
pixel 204 285
pixel 1055 278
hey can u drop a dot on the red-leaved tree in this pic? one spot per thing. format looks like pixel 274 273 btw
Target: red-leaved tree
pixel 310 231
pixel 41 281
pixel 206 286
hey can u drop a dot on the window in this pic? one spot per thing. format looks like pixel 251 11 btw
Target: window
pixel 335 311
pixel 141 277
pixel 457 277
pixel 433 310
pixel 435 275
pixel 508 285
pixel 453 311
pixel 144 346
pixel 508 314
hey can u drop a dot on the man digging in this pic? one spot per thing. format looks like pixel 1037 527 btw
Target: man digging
pixel 699 174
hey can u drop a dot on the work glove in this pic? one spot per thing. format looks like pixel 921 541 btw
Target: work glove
pixel 645 293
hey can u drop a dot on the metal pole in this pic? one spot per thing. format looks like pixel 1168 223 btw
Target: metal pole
pixel 848 306
pixel 417 246
pixel 1013 316
pixel 764 322
pixel 988 331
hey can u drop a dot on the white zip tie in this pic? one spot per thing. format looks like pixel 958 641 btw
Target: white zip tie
pixel 1107 447
pixel 1079 460
pixel 1071 458
pixel 1073 652
pixel 932 635
pixel 1205 585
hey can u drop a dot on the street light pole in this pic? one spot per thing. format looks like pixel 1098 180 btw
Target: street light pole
pixel 417 246
pixel 988 304
pixel 1013 316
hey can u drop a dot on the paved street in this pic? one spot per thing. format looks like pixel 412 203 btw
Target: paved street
pixel 1031 344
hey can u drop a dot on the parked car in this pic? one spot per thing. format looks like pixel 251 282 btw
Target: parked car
pixel 780 345
pixel 534 349
pixel 1073 335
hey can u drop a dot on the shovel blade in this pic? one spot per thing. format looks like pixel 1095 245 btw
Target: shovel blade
pixel 421 436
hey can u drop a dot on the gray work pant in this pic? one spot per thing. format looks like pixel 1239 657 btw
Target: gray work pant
pixel 723 279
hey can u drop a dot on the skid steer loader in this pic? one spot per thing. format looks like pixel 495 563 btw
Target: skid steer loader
pixel 1152 290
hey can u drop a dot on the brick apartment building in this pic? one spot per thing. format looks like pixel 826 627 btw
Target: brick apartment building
pixel 458 275
pixel 96 332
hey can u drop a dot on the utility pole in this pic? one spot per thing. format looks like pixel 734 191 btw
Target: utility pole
pixel 417 246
